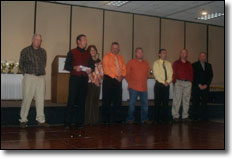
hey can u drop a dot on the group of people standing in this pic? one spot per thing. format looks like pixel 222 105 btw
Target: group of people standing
pixel 88 73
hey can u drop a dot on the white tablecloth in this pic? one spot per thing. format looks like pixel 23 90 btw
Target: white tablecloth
pixel 150 89
pixel 11 86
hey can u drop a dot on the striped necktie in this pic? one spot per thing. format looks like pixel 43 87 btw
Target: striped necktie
pixel 165 71
pixel 117 65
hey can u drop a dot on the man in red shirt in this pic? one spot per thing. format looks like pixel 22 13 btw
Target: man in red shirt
pixel 137 71
pixel 182 80
pixel 76 59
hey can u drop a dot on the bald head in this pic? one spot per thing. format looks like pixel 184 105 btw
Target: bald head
pixel 202 57
pixel 184 54
pixel 36 41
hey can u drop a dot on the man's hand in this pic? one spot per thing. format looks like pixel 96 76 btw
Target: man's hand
pixel 204 86
pixel 119 78
pixel 166 84
pixel 77 68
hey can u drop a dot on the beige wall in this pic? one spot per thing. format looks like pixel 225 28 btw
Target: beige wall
pixel 217 54
pixel 172 37
pixel 53 23
pixel 17 27
pixel 89 22
pixel 195 40
pixel 146 35
pixel 118 27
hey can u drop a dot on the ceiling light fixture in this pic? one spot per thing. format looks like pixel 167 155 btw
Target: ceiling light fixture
pixel 210 16
pixel 203 13
pixel 116 3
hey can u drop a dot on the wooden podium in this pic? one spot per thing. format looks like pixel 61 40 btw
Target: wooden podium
pixel 60 80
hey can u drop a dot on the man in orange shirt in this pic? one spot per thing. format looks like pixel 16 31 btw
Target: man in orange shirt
pixel 114 69
pixel 138 70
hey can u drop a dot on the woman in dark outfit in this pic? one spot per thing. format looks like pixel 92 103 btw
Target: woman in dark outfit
pixel 95 79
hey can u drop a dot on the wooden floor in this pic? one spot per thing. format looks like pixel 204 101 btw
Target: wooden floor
pixel 194 135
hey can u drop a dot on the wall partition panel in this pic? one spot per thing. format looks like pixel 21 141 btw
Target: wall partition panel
pixel 88 21
pixel 17 28
pixel 217 54
pixel 146 35
pixel 196 40
pixel 172 37
pixel 118 27
pixel 53 23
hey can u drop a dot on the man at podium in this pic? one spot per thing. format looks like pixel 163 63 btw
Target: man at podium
pixel 77 62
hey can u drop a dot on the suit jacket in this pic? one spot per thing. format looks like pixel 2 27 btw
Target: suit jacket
pixel 202 76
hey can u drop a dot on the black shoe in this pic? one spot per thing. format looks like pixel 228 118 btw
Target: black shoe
pixel 79 126
pixel 147 122
pixel 117 121
pixel 196 119
pixel 155 122
pixel 23 125
pixel 106 122
pixel 43 124
pixel 67 126
pixel 186 120
pixel 130 122
pixel 166 122
pixel 176 120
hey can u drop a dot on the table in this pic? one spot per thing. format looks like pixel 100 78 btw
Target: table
pixel 11 86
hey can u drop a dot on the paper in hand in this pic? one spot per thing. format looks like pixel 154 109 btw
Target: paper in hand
pixel 84 68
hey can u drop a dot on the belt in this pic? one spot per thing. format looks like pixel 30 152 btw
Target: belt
pixel 184 80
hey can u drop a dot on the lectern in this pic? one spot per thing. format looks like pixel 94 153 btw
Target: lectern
pixel 60 80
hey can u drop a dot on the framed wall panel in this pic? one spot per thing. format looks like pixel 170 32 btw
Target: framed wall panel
pixel 196 40
pixel 217 54
pixel 172 37
pixel 17 28
pixel 88 21
pixel 53 23
pixel 146 35
pixel 118 27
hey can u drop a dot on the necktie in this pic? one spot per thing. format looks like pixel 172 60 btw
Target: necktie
pixel 165 72
pixel 117 65
pixel 203 65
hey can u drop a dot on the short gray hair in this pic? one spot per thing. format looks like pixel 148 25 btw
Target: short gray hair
pixel 138 48
pixel 203 53
pixel 35 35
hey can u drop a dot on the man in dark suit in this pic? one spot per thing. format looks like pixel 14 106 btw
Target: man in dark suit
pixel 203 75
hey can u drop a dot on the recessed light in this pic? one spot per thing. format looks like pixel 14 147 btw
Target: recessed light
pixel 204 13
pixel 210 16
pixel 116 3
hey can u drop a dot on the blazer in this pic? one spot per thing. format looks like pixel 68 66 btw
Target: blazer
pixel 201 76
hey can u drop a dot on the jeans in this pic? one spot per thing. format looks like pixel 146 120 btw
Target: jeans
pixel 144 105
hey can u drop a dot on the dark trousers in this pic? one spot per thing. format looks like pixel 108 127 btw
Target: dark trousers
pixel 199 104
pixel 76 100
pixel 112 99
pixel 161 110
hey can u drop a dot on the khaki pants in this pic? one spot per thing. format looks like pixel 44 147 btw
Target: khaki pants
pixel 33 87
pixel 182 92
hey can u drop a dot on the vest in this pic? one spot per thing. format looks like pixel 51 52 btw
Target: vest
pixel 79 58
